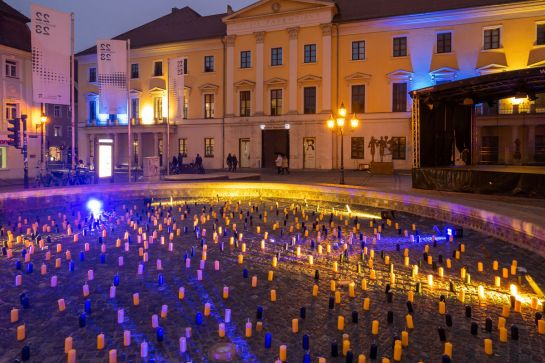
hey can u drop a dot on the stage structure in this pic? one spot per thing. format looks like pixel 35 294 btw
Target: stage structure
pixel 484 134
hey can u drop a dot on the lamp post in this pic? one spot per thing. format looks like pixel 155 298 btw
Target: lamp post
pixel 43 122
pixel 337 125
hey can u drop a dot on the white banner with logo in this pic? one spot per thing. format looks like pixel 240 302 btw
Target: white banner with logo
pixel 51 50
pixel 176 81
pixel 112 76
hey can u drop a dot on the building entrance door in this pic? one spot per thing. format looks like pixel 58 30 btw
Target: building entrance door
pixel 244 153
pixel 105 159
pixel 274 142
pixel 309 152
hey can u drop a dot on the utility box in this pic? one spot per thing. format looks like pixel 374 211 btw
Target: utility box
pixel 152 168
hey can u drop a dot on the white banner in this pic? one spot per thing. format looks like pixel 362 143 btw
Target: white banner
pixel 51 50
pixel 112 76
pixel 176 80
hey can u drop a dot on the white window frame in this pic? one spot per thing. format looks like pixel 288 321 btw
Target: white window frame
pixel 162 68
pixel 89 75
pixel 271 58
pixel 213 110
pixel 213 64
pixel 251 100
pixel 13 64
pixel 444 31
pixel 270 100
pixel 364 50
pixel 392 46
pixel 10 104
pixel 57 131
pixel 491 27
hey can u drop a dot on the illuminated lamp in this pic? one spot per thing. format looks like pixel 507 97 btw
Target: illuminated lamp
pixel 468 101
pixel 147 115
pixel 94 206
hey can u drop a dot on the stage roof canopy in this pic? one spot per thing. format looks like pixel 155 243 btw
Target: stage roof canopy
pixel 488 88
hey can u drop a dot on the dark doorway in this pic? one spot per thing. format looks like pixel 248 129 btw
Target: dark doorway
pixel 274 142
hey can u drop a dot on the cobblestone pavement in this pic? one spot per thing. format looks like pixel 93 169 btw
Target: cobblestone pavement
pixel 46 327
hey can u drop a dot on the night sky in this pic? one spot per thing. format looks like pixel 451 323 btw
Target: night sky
pixel 96 19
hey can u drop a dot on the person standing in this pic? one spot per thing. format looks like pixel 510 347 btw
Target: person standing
pixel 198 164
pixel 285 165
pixel 278 163
pixel 234 160
pixel 230 162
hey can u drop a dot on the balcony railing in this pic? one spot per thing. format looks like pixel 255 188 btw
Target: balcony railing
pixel 135 122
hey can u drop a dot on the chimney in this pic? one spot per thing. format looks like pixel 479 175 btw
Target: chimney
pixel 229 10
pixel 174 9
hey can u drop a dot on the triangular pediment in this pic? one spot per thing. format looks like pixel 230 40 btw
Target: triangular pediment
pixel 277 7
pixel 358 76
pixel 244 83
pixel 309 78
pixel 400 74
pixel 157 90
pixel 209 87
pixel 276 81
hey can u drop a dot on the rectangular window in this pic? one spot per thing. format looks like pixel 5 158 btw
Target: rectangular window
pixel 310 53
pixel 186 103
pixel 186 65
pixel 92 75
pixel 3 157
pixel 358 99
pixel 245 59
pixel 92 110
pixel 400 47
pixel 158 109
pixel 540 34
pixel 276 56
pixel 357 148
pixel 399 97
pixel 57 112
pixel 491 38
pixel 135 71
pixel 135 108
pixel 399 145
pixel 209 63
pixel 57 131
pixel 276 102
pixel 245 102
pixel 358 50
pixel 444 42
pixel 158 68
pixel 309 94
pixel 11 111
pixel 208 147
pixel 182 147
pixel 11 69
pixel 209 105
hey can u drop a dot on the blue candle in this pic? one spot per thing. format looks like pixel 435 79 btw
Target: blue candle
pixel 306 342
pixel 268 340
pixel 160 334
pixel 303 312
pixel 245 273
pixel 23 252
pixel 29 267
pixel 116 280
pixel 87 306
pixel 259 314
pixel 161 280
pixel 25 353
pixel 198 318
pixel 349 357
pixel 4 251
pixel 102 258
pixel 81 256
pixel 306 358
pixel 25 302
pixel 17 265
pixel 71 266
pixel 82 320
pixel 185 229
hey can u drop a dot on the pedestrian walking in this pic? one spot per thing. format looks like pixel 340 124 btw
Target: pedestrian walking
pixel 235 163
pixel 230 162
pixel 278 163
pixel 285 165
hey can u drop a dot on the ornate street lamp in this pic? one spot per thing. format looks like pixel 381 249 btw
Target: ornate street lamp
pixel 337 125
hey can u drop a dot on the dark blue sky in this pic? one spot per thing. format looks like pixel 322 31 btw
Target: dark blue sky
pixel 97 19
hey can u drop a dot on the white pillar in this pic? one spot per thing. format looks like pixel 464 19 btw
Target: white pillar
pixel 115 151
pixel 292 81
pixel 259 59
pixel 326 67
pixel 229 75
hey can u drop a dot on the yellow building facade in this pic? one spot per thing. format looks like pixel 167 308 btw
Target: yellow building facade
pixel 263 80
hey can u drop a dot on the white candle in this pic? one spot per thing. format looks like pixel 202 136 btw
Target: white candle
pixel 90 275
pixel 183 344
pixel 120 316
pixel 126 338
pixel 144 349
pixel 227 315
pixel 120 261
pixel 53 281
pixel 154 321
pixel 112 292
pixel 216 265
